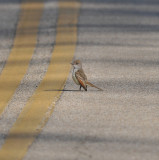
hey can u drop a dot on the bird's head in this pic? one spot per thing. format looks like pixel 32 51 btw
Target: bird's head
pixel 77 64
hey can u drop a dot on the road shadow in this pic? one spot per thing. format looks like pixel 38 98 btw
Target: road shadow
pixel 64 137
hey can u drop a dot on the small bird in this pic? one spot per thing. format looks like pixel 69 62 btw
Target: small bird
pixel 79 76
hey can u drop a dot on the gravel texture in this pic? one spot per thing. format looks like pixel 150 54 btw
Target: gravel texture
pixel 118 45
pixel 36 70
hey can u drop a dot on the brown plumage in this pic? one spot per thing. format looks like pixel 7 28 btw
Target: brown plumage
pixel 79 76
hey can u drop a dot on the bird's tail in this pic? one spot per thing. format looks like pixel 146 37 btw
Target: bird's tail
pixel 92 85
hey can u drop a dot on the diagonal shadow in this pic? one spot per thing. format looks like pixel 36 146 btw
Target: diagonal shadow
pixel 63 137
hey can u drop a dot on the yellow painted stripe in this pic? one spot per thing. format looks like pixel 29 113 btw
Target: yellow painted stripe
pixel 39 108
pixel 23 48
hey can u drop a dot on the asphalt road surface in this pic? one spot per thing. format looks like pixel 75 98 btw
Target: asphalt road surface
pixel 43 115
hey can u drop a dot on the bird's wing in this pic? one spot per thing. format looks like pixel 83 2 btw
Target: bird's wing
pixel 81 77
pixel 83 74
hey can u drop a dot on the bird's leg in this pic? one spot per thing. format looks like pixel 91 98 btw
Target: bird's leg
pixel 80 88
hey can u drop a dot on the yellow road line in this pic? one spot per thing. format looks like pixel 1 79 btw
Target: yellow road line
pixel 23 48
pixel 39 108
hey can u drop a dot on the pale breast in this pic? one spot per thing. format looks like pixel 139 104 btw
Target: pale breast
pixel 74 77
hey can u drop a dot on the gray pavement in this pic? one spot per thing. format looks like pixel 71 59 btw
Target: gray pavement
pixel 118 45
pixel 36 70
pixel 9 14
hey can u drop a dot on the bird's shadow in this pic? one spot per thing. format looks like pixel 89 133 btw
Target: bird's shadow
pixel 64 90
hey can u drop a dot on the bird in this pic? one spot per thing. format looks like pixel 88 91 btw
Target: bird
pixel 79 76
